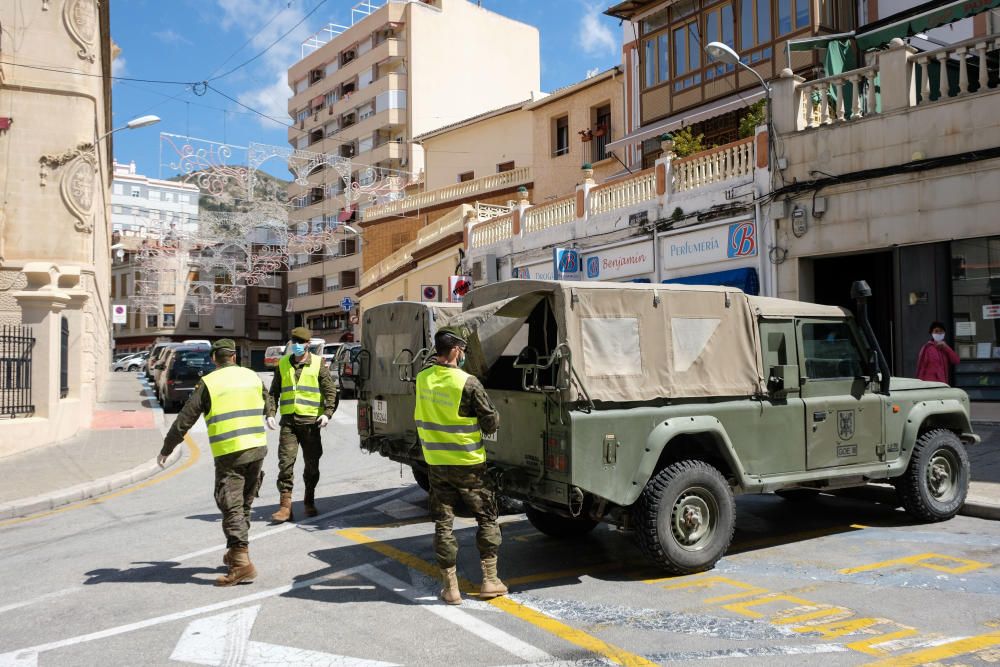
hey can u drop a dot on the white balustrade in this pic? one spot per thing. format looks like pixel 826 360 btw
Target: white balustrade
pixel 619 194
pixel 714 165
pixel 550 214
pixel 492 231
pixel 825 101
pixel 978 53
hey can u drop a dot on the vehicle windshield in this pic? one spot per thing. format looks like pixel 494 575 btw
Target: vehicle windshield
pixel 200 360
pixel 831 351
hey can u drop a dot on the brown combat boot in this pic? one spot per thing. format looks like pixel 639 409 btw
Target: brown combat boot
pixel 240 568
pixel 450 593
pixel 492 586
pixel 310 502
pixel 284 512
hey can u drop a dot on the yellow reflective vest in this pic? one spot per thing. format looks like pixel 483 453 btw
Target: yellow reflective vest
pixel 236 417
pixel 302 397
pixel 447 439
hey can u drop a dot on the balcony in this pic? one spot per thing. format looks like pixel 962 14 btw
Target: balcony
pixel 453 193
pixel 310 302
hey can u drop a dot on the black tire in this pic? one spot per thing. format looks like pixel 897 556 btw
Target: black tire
pixel 684 487
pixel 421 478
pixel 561 527
pixel 798 495
pixel 935 484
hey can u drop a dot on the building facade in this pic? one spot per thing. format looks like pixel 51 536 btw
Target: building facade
pixel 362 93
pixel 55 229
pixel 150 208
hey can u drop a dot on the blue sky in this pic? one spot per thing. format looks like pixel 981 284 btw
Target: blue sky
pixel 191 40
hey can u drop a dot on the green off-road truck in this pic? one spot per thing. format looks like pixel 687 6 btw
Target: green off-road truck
pixel 652 406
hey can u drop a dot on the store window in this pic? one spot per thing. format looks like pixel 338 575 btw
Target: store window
pixel 975 269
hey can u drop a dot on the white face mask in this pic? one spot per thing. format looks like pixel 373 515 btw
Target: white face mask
pixel 937 337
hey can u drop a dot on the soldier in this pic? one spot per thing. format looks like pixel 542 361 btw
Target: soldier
pixel 452 412
pixel 234 402
pixel 306 396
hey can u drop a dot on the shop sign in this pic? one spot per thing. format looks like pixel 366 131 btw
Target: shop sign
pixel 566 264
pixel 458 287
pixel 622 262
pixel 991 311
pixel 541 271
pixel 705 246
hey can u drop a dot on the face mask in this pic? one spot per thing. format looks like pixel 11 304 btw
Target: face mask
pixel 298 349
pixel 937 337
pixel 461 361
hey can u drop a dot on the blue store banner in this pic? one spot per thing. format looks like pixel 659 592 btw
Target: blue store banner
pixel 566 264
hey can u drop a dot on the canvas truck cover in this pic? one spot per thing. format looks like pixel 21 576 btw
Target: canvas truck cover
pixel 633 342
pixel 390 329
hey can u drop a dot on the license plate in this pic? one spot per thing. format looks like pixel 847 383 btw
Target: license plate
pixel 380 412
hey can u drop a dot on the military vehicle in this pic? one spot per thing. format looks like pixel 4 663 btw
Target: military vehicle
pixel 651 406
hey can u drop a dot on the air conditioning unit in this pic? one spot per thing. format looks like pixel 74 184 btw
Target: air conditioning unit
pixel 484 270
pixel 430 292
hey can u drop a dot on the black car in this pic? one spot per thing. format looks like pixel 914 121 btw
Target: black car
pixel 182 369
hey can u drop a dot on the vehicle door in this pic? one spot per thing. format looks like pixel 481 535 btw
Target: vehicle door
pixel 187 368
pixel 843 416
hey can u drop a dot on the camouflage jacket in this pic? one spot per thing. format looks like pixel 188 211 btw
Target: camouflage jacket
pixel 327 387
pixel 475 401
pixel 198 404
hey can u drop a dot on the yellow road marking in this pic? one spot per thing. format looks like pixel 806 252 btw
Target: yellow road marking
pixel 709 581
pixel 562 574
pixel 744 606
pixel 156 479
pixel 536 618
pixel 923 560
pixel 868 645
pixel 942 652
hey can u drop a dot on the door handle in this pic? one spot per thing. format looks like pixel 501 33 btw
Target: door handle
pixel 819 416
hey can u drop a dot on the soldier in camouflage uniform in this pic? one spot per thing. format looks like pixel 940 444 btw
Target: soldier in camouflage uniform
pixel 235 420
pixel 452 412
pixel 306 396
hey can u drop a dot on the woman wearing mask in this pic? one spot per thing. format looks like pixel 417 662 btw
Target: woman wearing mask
pixel 936 357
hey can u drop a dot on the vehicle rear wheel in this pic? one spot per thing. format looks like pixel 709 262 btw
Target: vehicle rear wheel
pixel 935 484
pixel 685 517
pixel 421 478
pixel 560 527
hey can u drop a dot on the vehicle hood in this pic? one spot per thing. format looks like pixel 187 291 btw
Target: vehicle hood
pixel 906 384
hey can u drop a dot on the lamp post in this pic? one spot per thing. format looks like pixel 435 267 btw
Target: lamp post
pixel 725 53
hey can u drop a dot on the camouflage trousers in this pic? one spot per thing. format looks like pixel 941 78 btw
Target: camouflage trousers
pixel 290 438
pixel 236 485
pixel 468 484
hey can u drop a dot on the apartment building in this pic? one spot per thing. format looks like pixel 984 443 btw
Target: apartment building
pixel 148 208
pixel 361 93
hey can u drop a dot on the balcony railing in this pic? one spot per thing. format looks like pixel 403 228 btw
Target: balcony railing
pixel 492 231
pixel 635 189
pixel 551 214
pixel 503 180
pixel 971 59
pixel 846 96
pixel 717 164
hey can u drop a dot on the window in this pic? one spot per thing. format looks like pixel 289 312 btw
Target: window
pixel 154 195
pixel 119 189
pixel 657 60
pixel 169 313
pixel 301 288
pixel 505 166
pixel 151 321
pixel 348 246
pixel 168 196
pixel 466 176
pixel 802 13
pixel 136 192
pixel 654 22
pixel 601 132
pixel 719 27
pixel 560 136
pixel 348 279
pixel 332 284
pixel 830 351
pixel 194 322
pixel 687 55
pixel 183 198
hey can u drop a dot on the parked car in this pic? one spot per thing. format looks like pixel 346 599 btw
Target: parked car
pixel 348 367
pixel 182 369
pixel 157 365
pixel 154 355
pixel 329 352
pixel 272 354
pixel 130 362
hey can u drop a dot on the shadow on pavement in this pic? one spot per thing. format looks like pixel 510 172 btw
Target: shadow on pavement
pixel 162 572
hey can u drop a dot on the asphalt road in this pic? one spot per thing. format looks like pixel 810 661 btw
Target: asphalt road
pixel 837 581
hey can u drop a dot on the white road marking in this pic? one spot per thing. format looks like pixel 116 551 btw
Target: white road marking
pixel 400 509
pixel 462 619
pixel 20 657
pixel 298 524
pixel 224 639
pixel 41 598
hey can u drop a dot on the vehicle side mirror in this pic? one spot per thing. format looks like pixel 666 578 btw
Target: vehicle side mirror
pixel 783 379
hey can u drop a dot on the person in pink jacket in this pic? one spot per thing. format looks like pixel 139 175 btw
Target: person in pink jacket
pixel 936 357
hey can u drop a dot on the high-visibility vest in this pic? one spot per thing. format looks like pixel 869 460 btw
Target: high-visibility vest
pixel 447 439
pixel 301 397
pixel 236 417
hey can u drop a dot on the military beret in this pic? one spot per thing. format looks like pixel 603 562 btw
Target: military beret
pixel 302 333
pixel 224 344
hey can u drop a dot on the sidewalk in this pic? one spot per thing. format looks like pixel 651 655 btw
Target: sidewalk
pixel 125 436
pixel 118 449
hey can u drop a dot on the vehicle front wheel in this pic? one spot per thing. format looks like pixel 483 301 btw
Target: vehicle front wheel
pixel 685 517
pixel 935 484
pixel 561 527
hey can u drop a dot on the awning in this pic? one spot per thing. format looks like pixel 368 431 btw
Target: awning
pixel 919 19
pixel 744 279
pixel 683 119
pixel 819 42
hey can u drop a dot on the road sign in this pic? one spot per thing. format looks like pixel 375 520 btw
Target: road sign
pixel 354 319
pixel 119 314
pixel 347 303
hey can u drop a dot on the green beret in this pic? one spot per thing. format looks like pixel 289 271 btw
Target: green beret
pixel 302 332
pixel 224 344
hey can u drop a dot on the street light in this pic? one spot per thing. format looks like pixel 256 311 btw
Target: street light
pixel 135 123
pixel 725 53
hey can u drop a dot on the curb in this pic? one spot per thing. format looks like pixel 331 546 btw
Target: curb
pixel 92 489
pixel 981 510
